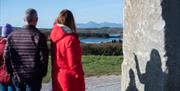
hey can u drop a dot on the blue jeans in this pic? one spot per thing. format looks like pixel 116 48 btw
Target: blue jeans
pixel 29 85
pixel 6 87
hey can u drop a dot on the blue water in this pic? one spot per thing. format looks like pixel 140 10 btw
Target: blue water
pixel 98 40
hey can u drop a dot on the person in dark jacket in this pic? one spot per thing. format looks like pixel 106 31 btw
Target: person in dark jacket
pixel 6 30
pixel 28 54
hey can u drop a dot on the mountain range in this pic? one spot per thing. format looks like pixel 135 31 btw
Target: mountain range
pixel 92 24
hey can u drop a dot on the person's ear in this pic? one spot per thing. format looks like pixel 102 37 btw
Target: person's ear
pixel 36 19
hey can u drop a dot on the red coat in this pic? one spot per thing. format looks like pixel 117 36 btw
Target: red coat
pixel 67 71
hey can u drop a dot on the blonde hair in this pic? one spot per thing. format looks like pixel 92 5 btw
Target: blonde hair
pixel 66 17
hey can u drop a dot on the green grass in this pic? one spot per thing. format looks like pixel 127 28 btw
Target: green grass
pixel 102 65
pixel 96 66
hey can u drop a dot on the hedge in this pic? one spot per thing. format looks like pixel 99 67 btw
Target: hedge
pixel 107 49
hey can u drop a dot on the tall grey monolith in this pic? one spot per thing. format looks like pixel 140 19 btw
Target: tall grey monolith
pixel 151 45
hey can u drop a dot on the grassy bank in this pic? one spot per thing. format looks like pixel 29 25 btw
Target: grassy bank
pixel 97 66
pixel 102 65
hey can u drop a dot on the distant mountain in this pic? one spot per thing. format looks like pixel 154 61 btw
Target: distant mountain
pixel 92 24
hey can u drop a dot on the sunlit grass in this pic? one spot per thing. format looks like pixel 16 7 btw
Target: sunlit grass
pixel 102 65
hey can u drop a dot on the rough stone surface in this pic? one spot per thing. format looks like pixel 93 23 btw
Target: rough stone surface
pixel 151 46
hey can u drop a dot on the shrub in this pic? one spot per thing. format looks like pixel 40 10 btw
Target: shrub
pixel 110 49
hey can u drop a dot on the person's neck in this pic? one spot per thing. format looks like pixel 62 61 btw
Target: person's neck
pixel 30 24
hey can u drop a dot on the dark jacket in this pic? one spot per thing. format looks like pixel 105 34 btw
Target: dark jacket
pixel 27 49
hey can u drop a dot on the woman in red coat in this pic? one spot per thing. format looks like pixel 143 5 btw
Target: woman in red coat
pixel 67 70
pixel 5 86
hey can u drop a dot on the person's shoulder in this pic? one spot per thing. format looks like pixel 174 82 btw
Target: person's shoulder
pixel 2 40
pixel 39 31
pixel 41 35
pixel 17 31
pixel 71 36
pixel 13 33
pixel 71 40
pixel 36 31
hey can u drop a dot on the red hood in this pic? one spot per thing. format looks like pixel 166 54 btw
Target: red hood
pixel 57 33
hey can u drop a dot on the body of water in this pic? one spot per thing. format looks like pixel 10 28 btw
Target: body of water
pixel 99 40
pixel 112 37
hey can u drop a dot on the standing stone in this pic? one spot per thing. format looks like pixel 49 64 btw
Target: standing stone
pixel 151 46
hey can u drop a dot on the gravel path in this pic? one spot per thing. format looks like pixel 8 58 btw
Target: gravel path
pixel 102 83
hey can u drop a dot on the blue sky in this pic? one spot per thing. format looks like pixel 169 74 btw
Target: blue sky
pixel 12 11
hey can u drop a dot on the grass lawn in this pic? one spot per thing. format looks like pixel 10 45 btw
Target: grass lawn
pixel 102 65
pixel 96 66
